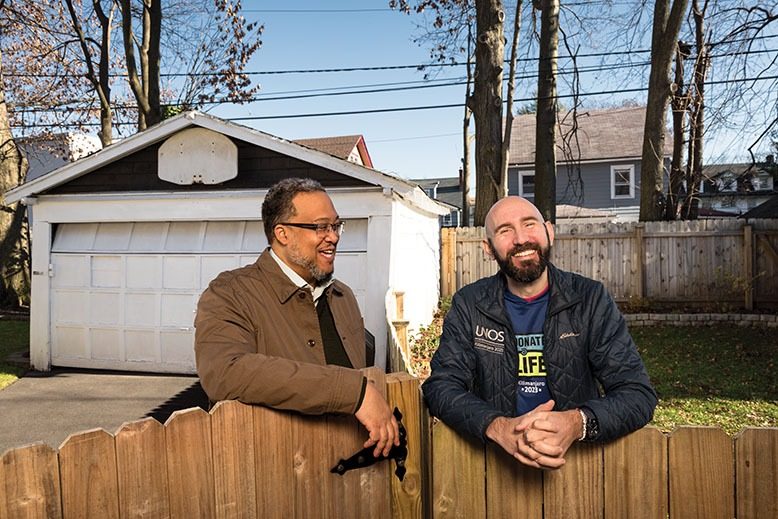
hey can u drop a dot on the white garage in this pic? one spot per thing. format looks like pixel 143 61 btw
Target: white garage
pixel 125 241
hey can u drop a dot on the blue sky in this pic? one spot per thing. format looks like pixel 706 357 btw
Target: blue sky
pixel 305 35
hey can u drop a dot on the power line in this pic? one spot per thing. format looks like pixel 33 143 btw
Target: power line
pixel 417 108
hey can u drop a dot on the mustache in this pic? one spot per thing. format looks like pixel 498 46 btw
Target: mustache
pixel 522 247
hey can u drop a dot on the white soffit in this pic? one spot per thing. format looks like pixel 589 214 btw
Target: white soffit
pixel 197 156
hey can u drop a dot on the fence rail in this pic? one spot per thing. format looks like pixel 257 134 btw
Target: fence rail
pixel 247 461
pixel 706 261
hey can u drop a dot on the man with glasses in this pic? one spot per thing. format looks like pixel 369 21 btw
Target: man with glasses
pixel 282 332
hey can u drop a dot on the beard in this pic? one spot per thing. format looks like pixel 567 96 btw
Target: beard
pixel 320 276
pixel 527 271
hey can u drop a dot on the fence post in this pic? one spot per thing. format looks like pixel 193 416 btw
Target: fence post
pixel 641 258
pixel 401 325
pixel 448 260
pixel 748 265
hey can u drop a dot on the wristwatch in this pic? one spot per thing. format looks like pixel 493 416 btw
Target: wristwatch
pixel 591 427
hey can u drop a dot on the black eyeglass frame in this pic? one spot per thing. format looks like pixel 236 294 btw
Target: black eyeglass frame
pixel 321 228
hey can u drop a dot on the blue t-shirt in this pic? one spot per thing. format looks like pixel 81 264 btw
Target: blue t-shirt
pixel 527 318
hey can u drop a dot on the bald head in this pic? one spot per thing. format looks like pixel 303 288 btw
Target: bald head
pixel 509 209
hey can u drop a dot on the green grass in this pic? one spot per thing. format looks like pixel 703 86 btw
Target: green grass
pixel 14 337
pixel 721 376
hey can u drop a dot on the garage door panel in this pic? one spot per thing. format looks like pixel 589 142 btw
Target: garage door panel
pixel 212 266
pixel 70 341
pixel 71 307
pixel 141 346
pixel 179 272
pixel 105 308
pixel 223 236
pixel 177 348
pixel 141 310
pixel 113 237
pixel 107 271
pixel 143 272
pixel 70 271
pixel 177 310
pixel 105 344
pixel 254 237
pixel 184 237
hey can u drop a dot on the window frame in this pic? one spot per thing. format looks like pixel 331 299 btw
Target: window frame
pixel 523 174
pixel 631 169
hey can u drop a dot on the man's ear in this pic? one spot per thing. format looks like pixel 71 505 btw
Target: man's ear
pixel 549 232
pixel 487 249
pixel 280 234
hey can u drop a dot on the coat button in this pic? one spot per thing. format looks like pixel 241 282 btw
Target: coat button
pixel 301 295
pixel 311 343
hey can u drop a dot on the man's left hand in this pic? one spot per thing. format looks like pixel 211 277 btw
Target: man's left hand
pixel 549 434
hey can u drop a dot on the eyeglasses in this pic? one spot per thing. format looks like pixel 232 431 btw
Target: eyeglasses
pixel 322 229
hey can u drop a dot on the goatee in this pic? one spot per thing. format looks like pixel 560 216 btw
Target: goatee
pixel 527 271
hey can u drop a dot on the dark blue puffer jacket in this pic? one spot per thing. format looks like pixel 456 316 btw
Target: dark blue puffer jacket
pixel 590 358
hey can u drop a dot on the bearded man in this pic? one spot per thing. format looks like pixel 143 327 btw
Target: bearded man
pixel 535 358
pixel 282 332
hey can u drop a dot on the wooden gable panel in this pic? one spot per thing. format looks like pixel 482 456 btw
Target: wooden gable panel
pixel 258 168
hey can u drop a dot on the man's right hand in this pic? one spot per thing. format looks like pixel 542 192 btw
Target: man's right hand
pixel 375 415
pixel 510 434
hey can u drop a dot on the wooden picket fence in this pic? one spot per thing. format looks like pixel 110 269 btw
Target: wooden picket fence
pixel 247 461
pixel 707 261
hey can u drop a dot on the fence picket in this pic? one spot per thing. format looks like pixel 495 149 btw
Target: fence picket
pixel 701 479
pixel 403 392
pixel 190 464
pixel 87 466
pixel 575 490
pixel 29 483
pixel 232 432
pixel 141 467
pixel 512 489
pixel 757 473
pixel 375 500
pixel 458 477
pixel 636 475
pixel 274 457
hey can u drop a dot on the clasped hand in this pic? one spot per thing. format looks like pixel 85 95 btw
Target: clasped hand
pixel 539 438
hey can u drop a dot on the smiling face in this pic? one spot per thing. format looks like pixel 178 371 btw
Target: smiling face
pixel 520 242
pixel 310 255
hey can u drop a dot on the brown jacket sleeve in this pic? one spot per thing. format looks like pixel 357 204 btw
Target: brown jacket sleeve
pixel 232 363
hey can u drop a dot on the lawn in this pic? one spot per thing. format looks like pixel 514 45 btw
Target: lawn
pixel 715 375
pixel 14 337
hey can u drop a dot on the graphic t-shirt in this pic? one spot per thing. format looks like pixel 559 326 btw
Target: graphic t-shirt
pixel 527 317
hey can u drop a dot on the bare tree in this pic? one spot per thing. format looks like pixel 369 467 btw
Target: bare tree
pixel 666 26
pixel 545 120
pixel 506 140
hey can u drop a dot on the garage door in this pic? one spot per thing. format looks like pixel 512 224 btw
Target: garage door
pixel 124 294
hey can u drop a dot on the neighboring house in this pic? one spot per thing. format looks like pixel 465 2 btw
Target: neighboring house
pixel 447 190
pixel 768 209
pixel 47 153
pixel 348 147
pixel 607 147
pixel 124 241
pixel 736 188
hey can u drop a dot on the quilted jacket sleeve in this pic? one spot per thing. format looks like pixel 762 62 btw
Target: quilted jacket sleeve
pixel 629 399
pixel 449 389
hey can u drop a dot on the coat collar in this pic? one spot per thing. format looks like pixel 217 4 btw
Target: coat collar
pixel 279 282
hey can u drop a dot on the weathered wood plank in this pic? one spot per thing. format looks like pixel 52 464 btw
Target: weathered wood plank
pixel 235 487
pixel 404 393
pixel 756 452
pixel 141 467
pixel 29 483
pixel 274 460
pixel 576 490
pixel 458 475
pixel 512 489
pixel 701 479
pixel 636 475
pixel 87 465
pixel 190 464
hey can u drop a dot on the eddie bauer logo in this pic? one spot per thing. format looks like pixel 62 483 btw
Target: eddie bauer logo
pixel 567 335
pixel 489 334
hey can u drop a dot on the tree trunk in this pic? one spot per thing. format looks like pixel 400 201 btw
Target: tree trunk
pixel 679 106
pixel 545 121
pixel 694 178
pixel 14 258
pixel 145 87
pixel 666 25
pixel 506 140
pixel 465 178
pixel 487 104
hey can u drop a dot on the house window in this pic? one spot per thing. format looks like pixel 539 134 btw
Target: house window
pixel 450 220
pixel 527 184
pixel 623 181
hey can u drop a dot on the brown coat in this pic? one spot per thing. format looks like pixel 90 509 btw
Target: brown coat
pixel 257 340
